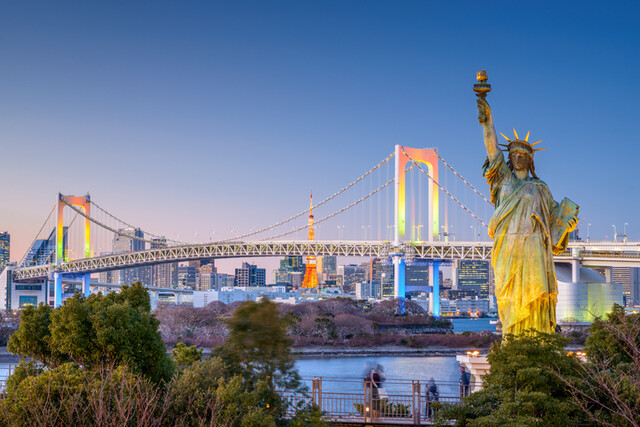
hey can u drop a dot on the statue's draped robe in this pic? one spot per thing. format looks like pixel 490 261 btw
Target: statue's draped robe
pixel 522 259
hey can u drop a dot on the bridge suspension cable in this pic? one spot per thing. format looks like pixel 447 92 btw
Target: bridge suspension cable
pixel 362 199
pixel 334 195
pixel 133 226
pixel 95 221
pixel 40 231
pixel 444 190
pixel 464 180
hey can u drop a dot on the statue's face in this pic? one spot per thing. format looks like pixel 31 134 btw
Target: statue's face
pixel 519 160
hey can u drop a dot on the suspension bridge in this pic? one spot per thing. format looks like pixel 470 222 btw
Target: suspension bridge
pixel 72 249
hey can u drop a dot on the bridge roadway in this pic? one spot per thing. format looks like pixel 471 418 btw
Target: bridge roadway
pixel 589 254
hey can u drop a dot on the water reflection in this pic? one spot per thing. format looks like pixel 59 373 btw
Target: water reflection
pixel 345 373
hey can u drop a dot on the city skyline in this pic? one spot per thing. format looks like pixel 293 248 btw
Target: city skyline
pixel 170 114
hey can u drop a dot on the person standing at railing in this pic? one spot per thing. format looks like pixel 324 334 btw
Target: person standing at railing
pixel 373 386
pixel 465 381
pixel 432 395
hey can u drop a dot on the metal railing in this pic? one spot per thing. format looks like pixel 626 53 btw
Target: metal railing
pixel 355 400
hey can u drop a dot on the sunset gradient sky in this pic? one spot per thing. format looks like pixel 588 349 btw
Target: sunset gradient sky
pixel 198 116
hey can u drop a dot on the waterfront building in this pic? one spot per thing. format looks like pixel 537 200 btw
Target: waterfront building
pixel 250 275
pixel 474 274
pixel 471 307
pixel 447 308
pixel 453 294
pixel 5 249
pixel 15 296
pixel 580 302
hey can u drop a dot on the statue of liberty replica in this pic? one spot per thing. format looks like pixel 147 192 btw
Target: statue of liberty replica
pixel 527 228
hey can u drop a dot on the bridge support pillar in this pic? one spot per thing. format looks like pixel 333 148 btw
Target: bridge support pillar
pixel 434 282
pixel 575 266
pixel 178 298
pixel 86 285
pixel 454 274
pixel 57 293
pixel 399 281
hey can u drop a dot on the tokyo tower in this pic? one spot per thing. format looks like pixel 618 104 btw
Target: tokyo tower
pixel 310 272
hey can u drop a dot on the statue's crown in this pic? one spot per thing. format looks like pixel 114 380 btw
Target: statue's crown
pixel 517 144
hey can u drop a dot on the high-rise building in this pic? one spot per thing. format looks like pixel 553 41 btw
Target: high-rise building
pixel 206 277
pixel 353 274
pixel 292 263
pixel 5 249
pixel 163 275
pixel 474 275
pixel 281 276
pixel 629 278
pixel 296 279
pixel 250 275
pixel 417 274
pixel 187 277
pixel 43 251
pixel 122 243
pixel 382 273
pixel 326 265
pixel 368 289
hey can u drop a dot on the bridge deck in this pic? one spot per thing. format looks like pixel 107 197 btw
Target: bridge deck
pixel 588 253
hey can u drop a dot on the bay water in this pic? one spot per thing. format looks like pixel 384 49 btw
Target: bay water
pixel 347 373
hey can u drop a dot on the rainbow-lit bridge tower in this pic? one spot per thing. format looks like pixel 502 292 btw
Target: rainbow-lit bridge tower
pixel 428 156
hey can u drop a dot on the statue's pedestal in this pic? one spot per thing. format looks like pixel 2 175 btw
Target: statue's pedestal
pixel 477 366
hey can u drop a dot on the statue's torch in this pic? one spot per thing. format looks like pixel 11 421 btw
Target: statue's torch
pixel 482 88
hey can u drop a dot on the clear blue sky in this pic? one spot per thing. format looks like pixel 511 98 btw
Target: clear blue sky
pixel 199 116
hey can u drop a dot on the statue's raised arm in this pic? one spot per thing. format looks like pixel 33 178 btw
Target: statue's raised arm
pixel 485 117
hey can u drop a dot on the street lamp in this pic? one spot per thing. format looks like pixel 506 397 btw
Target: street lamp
pixel 588 232
pixel 340 231
pixel 625 231
pixel 391 228
pixel 615 235
pixel 419 226
pixel 473 232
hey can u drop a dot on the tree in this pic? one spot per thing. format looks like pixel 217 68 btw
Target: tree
pixel 258 348
pixel 94 332
pixel 32 338
pixel 607 390
pixel 184 356
pixel 523 387
pixel 202 395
